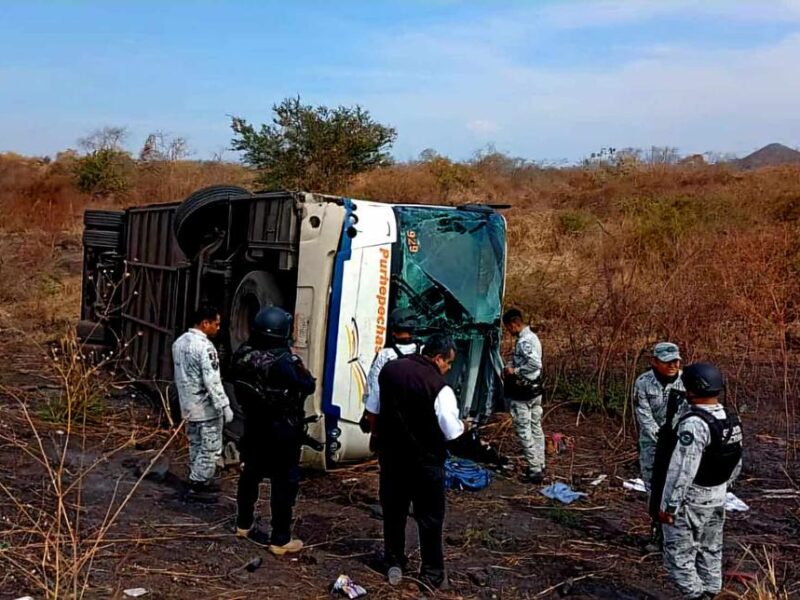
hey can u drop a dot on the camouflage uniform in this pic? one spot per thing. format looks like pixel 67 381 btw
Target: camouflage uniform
pixel 693 543
pixel 650 403
pixel 202 400
pixel 527 414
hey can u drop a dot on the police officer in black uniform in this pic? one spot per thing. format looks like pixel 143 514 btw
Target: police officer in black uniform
pixel 271 384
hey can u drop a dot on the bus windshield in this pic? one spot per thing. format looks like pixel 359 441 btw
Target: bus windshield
pixel 451 266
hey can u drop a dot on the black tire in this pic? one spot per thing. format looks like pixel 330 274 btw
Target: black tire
pixel 113 220
pixel 196 216
pixel 90 332
pixel 96 238
pixel 256 290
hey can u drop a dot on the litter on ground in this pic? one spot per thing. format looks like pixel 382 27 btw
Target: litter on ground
pixel 637 485
pixel 734 504
pixel 347 587
pixel 561 492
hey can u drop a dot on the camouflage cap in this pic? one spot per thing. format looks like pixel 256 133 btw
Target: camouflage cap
pixel 666 352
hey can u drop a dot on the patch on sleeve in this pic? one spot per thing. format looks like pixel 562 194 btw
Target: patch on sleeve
pixel 686 438
pixel 526 347
pixel 212 357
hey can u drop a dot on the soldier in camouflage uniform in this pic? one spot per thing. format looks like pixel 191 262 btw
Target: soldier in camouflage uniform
pixel 204 404
pixel 523 389
pixel 705 461
pixel 650 393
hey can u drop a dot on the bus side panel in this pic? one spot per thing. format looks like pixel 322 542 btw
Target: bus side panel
pixel 320 233
pixel 362 325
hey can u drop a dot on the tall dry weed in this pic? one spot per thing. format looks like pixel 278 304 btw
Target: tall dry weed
pixel 50 541
pixel 607 258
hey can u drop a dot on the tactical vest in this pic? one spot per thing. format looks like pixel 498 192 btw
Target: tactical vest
pixel 719 459
pixel 251 382
pixel 723 453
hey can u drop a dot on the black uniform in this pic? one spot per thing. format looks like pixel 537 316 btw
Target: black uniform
pixel 411 452
pixel 271 385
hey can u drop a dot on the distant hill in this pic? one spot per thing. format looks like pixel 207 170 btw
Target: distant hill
pixel 769 156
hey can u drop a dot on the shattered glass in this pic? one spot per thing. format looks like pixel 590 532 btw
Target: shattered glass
pixel 450 269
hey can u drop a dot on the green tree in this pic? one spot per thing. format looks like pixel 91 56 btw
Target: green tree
pixel 313 148
pixel 106 168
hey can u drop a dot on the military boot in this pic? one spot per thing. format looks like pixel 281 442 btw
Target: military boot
pixel 202 492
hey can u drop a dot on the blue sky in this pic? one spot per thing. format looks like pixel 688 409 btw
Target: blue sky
pixel 544 80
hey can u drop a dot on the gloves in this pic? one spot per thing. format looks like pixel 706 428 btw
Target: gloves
pixel 227 414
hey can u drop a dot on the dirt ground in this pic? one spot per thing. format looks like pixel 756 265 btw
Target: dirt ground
pixel 506 541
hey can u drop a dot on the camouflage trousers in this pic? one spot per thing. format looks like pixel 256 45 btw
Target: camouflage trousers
pixel 205 447
pixel 647 455
pixel 527 418
pixel 693 549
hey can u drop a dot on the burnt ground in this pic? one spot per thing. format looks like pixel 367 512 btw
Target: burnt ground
pixel 506 541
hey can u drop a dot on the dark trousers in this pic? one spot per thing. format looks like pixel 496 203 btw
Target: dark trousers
pixel 279 464
pixel 402 483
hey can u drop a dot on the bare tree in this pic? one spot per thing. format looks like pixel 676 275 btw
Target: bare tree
pixel 106 138
pixel 163 147
pixel 663 155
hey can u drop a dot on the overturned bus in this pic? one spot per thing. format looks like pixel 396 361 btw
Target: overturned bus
pixel 339 264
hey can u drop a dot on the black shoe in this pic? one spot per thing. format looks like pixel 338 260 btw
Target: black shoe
pixel 201 497
pixel 533 476
pixel 255 535
pixel 442 585
pixel 209 487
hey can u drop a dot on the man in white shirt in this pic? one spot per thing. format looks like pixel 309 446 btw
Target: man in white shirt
pixel 402 324
pixel 418 416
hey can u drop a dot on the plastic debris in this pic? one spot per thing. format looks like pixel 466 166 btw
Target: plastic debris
pixel 561 442
pixel 600 479
pixel 637 485
pixel 347 587
pixel 556 443
pixel 135 592
pixel 733 503
pixel 561 492
pixel 25 598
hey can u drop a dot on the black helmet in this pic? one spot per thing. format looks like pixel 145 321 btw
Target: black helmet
pixel 703 379
pixel 403 319
pixel 274 323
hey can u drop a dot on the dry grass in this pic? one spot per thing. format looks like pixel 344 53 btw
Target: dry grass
pixel 606 259
pixel 767 583
pixel 50 540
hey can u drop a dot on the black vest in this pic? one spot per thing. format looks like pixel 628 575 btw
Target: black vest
pixel 407 425
pixel 723 453
pixel 719 458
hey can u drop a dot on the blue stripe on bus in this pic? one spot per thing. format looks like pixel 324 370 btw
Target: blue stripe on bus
pixel 333 412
